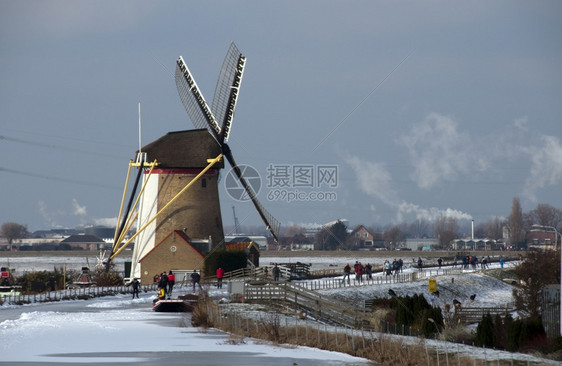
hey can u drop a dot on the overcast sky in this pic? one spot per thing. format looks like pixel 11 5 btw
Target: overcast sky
pixel 421 108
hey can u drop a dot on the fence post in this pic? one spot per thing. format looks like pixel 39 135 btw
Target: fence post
pixel 363 337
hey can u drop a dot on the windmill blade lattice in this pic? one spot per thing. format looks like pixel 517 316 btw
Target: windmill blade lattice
pixel 193 101
pixel 227 88
pixel 224 104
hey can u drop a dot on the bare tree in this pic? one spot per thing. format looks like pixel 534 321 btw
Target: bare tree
pixel 446 230
pixel 294 230
pixel 419 228
pixel 545 215
pixel 493 228
pixel 393 238
pixel 13 230
pixel 538 270
pixel 516 228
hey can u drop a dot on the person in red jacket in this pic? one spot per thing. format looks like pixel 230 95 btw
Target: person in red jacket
pixel 220 275
pixel 171 282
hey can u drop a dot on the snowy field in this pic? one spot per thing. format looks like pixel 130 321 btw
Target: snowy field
pixel 23 265
pixel 118 330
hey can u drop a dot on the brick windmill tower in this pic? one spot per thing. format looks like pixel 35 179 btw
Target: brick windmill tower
pixel 181 158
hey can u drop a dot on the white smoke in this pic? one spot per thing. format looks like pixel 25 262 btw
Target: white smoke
pixel 546 166
pixel 373 179
pixel 78 210
pixel 106 221
pixel 440 152
pixel 407 210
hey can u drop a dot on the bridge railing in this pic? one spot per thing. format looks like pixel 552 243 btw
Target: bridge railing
pixel 315 305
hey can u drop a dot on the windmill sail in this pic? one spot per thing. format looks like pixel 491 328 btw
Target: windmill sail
pixel 193 101
pixel 270 221
pixel 224 104
pixel 226 91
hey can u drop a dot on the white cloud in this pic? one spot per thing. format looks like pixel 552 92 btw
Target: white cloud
pixel 106 221
pixel 374 180
pixel 546 168
pixel 44 212
pixel 77 209
pixel 521 123
pixel 439 151
pixel 75 19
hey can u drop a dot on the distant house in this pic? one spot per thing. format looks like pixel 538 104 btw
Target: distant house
pixel 175 253
pixel 477 244
pixel 421 243
pixel 541 239
pixel 86 242
pixel 362 238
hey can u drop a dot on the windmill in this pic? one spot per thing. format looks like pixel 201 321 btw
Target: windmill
pixel 166 204
pixel 218 119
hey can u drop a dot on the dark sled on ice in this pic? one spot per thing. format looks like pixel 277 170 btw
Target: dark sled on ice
pixel 183 304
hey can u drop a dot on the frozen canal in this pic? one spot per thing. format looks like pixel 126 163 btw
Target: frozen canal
pixel 118 330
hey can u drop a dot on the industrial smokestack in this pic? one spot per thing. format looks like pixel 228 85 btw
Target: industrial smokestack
pixel 472 229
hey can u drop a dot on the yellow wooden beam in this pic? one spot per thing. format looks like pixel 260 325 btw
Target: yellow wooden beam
pixel 211 163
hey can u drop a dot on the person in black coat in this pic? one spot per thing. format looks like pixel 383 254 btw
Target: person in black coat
pixel 163 283
pixel 195 278
pixel 136 287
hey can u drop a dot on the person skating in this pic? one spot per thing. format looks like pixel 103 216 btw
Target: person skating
pixel 220 275
pixel 195 278
pixel 135 285
pixel 171 282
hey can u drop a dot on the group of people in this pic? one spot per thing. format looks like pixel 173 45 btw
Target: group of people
pixel 394 267
pixel 472 260
pixel 360 270
pixel 166 285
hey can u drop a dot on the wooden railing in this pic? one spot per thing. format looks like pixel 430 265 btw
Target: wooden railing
pixel 255 273
pixel 70 294
pixel 308 302
pixel 470 315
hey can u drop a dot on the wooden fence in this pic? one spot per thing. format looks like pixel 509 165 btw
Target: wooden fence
pixel 70 294
pixel 272 326
pixel 255 273
pixel 308 302
pixel 469 315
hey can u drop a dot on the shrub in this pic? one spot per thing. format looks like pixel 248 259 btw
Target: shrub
pixel 34 282
pixel 485 332
pixel 200 316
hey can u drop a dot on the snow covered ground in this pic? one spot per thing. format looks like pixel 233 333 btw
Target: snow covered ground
pixel 489 291
pixel 120 330
pixel 23 265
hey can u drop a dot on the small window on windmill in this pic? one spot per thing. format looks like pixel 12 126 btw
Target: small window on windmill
pixel 203 182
